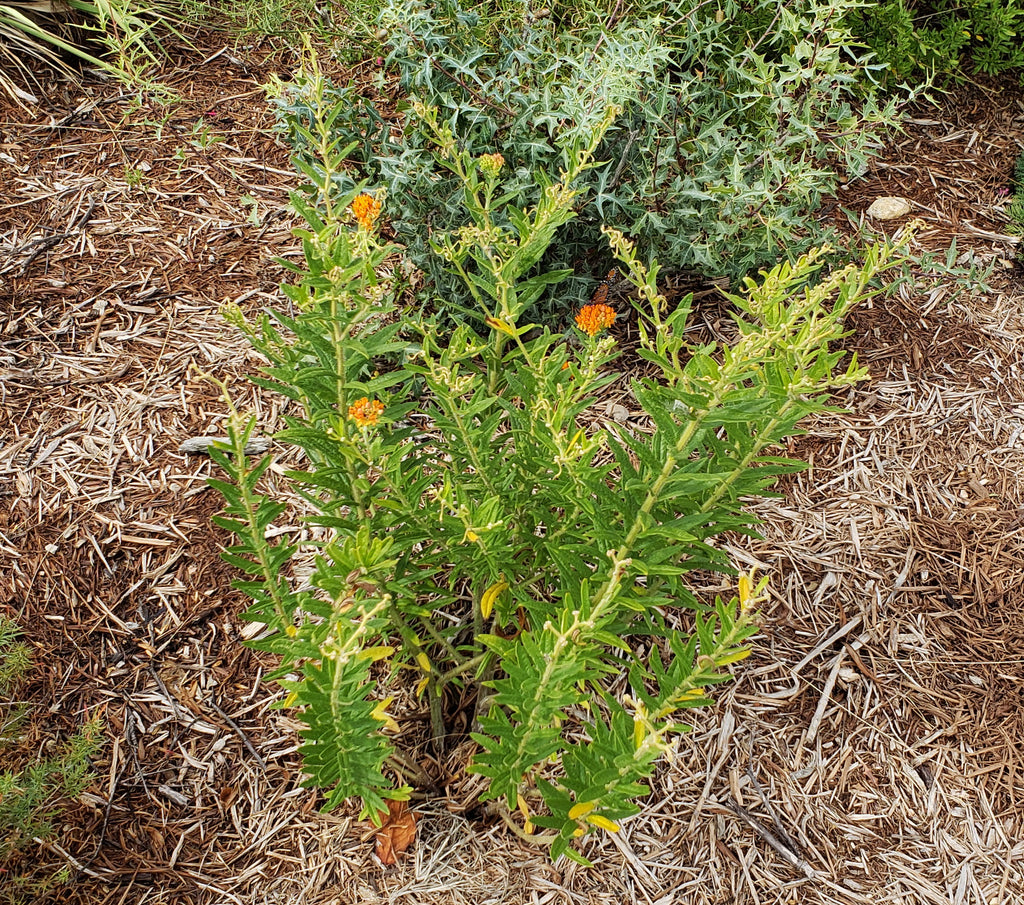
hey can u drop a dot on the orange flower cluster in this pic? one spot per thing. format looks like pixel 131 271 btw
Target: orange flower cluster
pixel 592 319
pixel 366 412
pixel 366 210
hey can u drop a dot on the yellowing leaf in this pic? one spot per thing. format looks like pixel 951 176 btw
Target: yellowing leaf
pixel 489 596
pixel 603 822
pixel 380 712
pixel 498 324
pixel 745 582
pixel 376 653
pixel 750 594
pixel 524 809
pixel 421 685
pixel 734 657
pixel 580 809
pixel 424 661
pixel 639 725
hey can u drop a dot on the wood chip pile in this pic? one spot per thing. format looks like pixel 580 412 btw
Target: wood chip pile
pixel 869 751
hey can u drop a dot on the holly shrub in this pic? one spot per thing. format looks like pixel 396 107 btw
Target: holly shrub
pixel 736 119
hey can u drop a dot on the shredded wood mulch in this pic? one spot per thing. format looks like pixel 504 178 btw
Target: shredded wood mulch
pixel 868 751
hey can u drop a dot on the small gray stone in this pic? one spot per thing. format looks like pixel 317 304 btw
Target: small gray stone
pixel 195 446
pixel 617 412
pixel 889 208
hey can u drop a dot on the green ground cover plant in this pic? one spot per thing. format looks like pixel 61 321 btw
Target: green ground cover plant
pixel 946 39
pixel 1015 211
pixel 30 796
pixel 128 36
pixel 737 119
pixel 348 28
pixel 479 540
pixel 283 20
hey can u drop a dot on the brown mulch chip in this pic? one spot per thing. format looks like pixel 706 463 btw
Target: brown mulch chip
pixel 873 734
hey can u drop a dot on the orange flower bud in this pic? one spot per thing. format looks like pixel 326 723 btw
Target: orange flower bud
pixel 366 412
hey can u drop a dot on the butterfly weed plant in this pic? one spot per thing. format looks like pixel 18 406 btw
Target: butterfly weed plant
pixel 482 535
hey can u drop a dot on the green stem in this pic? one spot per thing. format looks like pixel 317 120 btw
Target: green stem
pixel 436 716
pixel 470 285
pixel 465 667
pixel 576 631
pixel 257 542
pixel 759 446
pixel 486 674
pixel 580 627
pixel 494 368
pixel 654 492
pixel 478 616
pixel 467 439
pixel 697 680
pixel 339 335
pixel 452 653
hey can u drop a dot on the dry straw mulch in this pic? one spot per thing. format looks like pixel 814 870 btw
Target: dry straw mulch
pixel 868 751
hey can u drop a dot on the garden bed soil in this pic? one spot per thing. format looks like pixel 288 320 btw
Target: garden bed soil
pixel 877 721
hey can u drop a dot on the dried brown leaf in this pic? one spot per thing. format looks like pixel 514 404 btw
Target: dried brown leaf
pixel 396 833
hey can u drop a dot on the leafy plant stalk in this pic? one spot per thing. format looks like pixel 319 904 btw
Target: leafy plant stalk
pixel 475 527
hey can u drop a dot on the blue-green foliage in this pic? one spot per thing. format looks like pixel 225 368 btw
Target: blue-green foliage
pixel 737 119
